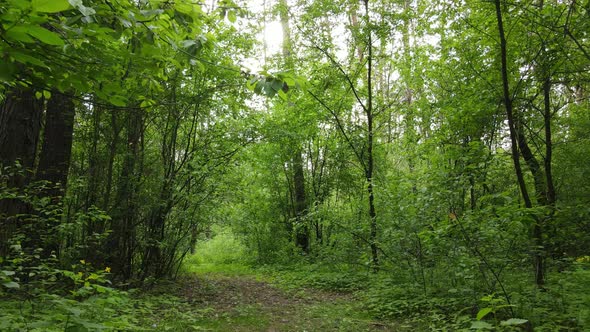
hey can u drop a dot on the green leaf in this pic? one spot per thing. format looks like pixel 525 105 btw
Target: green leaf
pixel 277 85
pixel 481 325
pixel 42 324
pixel 76 328
pixel 11 284
pixel 27 59
pixel 231 16
pixel 513 321
pixel 74 311
pixel 93 326
pixel 186 8
pixel 118 101
pixel 45 36
pixel 258 87
pixel 86 11
pixel 251 84
pixel 46 94
pixel 7 71
pixel 38 94
pixel 147 103
pixel 188 43
pixel 50 6
pixel 19 33
pixel 483 312
pixel 283 95
pixel 289 81
pixel 268 89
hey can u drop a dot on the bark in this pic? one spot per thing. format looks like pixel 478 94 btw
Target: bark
pixel 20 123
pixel 54 160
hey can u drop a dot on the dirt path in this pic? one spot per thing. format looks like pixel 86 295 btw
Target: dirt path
pixel 242 303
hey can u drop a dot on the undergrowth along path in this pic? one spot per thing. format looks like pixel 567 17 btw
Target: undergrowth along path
pixel 247 303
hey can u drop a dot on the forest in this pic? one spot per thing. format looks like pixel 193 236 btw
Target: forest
pixel 294 165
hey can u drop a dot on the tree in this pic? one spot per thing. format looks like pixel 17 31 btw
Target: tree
pixel 301 228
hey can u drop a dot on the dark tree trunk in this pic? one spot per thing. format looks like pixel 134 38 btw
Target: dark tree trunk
pixel 112 154
pixel 509 109
pixel 551 196
pixel 370 141
pixel 94 163
pixel 54 160
pixel 518 142
pixel 541 195
pixel 302 229
pixel 20 123
pixel 121 244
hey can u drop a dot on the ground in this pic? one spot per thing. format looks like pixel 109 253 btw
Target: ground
pixel 248 303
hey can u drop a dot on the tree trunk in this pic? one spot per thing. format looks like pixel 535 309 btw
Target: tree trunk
pixel 94 163
pixel 122 238
pixel 551 196
pixel 154 260
pixel 518 141
pixel 112 154
pixel 20 123
pixel 54 160
pixel 302 229
pixel 370 141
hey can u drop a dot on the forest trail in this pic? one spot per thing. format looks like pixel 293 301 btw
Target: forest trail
pixel 245 303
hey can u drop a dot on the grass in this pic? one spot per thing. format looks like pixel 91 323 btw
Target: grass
pixel 295 298
pixel 217 291
pixel 299 298
pixel 227 269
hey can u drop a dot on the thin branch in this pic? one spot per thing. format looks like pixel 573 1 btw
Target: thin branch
pixel 340 128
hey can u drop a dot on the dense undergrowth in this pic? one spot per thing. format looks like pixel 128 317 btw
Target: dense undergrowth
pixel 562 305
pixel 37 297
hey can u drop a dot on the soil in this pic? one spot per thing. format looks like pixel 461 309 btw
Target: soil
pixel 266 307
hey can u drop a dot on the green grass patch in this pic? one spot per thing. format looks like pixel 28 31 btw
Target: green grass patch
pixel 218 269
pixel 241 318
pixel 223 254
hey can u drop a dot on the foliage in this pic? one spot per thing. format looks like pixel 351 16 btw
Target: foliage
pixel 222 248
pixel 428 157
